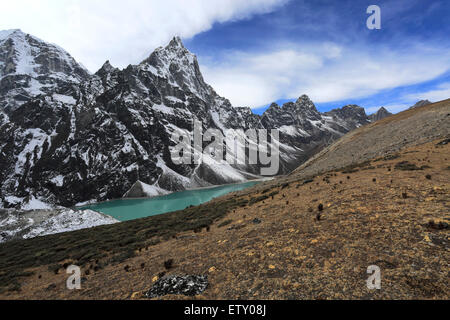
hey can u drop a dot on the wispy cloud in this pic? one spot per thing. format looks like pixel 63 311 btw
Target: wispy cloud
pixel 326 72
pixel 122 31
pixel 441 92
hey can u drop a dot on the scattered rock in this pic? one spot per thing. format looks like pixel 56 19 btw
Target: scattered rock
pixel 189 285
pixel 236 227
pixel 51 287
pixel 428 176
pixel 256 221
pixel 440 225
pixel 408 166
pixel 320 207
pixel 444 142
pixel 168 264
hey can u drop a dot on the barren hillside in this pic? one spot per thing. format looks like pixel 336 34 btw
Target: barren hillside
pixel 379 196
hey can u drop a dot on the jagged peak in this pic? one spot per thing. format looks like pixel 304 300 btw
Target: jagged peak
pixel 274 105
pixel 421 103
pixel 175 43
pixel 106 67
pixel 4 34
pixel 352 106
pixel 174 50
pixel 383 111
pixel 303 98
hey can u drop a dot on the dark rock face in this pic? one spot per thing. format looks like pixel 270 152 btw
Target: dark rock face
pixel 30 67
pixel 93 140
pixel 181 285
pixel 380 114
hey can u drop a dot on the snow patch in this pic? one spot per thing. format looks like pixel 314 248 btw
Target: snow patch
pixel 25 225
pixel 35 204
pixel 64 99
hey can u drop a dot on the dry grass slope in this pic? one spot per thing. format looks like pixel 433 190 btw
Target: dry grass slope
pixel 377 196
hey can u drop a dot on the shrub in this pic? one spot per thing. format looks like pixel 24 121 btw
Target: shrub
pixel 168 264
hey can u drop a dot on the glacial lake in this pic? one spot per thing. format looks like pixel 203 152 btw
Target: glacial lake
pixel 130 209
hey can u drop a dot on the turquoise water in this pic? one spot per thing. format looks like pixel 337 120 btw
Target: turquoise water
pixel 130 209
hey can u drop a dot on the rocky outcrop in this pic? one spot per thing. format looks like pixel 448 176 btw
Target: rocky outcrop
pixel 142 190
pixel 380 114
pixel 189 285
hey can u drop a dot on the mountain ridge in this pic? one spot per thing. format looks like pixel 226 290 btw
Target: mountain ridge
pixel 93 140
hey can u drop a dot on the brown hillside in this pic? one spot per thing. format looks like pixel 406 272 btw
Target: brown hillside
pixel 411 127
pixel 384 190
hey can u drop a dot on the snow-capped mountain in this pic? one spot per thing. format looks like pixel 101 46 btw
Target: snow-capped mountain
pixel 96 137
pixel 30 67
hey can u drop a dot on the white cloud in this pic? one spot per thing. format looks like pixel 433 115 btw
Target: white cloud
pixel 122 31
pixel 326 72
pixel 442 92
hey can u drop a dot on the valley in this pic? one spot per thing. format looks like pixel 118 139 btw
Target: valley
pixel 309 235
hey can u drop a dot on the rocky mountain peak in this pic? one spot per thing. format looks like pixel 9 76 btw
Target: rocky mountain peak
pixel 304 104
pixel 421 103
pixel 274 105
pixel 380 114
pixel 304 100
pixel 105 69
pixel 180 67
pixel 30 67
pixel 4 34
pixel 175 43
pixel 353 114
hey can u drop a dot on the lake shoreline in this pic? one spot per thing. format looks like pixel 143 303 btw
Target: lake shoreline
pixel 79 206
pixel 125 209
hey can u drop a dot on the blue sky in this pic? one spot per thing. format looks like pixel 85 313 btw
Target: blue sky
pixel 413 42
pixel 254 52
